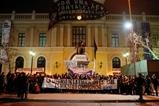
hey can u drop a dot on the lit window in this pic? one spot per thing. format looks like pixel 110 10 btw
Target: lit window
pixel 21 39
pixel 115 40
pixel 42 39
pixel 78 34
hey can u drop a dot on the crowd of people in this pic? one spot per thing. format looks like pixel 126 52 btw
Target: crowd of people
pixel 22 83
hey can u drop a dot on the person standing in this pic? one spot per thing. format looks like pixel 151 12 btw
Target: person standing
pixel 2 79
pixel 23 85
pixel 140 81
pixel 148 85
pixel 155 83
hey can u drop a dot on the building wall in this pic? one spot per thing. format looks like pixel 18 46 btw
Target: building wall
pixel 58 47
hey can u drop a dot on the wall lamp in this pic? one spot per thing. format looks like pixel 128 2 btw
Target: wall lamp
pixel 100 64
pixel 56 64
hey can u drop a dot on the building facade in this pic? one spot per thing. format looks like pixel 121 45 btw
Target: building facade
pixel 53 47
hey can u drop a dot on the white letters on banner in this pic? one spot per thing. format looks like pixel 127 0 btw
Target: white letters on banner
pixel 78 84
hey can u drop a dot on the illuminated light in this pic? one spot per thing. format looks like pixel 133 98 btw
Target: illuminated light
pixel 32 53
pixel 128 25
pixel 79 17
pixel 126 54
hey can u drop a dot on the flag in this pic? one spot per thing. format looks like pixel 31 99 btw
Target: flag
pixel 62 10
pixel 6 27
pixel 53 16
pixel 95 48
pixel 3 56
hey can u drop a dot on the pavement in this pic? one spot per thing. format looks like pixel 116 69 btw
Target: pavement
pixel 78 98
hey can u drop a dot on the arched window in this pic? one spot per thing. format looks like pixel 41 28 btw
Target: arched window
pixel 41 62
pixel 19 62
pixel 116 62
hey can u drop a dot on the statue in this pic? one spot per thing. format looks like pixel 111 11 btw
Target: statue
pixel 81 47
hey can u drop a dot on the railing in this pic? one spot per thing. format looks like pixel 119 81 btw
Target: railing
pixel 45 17
pixel 42 16
pixel 5 16
pixel 23 17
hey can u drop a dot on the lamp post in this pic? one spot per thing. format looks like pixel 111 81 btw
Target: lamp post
pixel 32 55
pixel 132 37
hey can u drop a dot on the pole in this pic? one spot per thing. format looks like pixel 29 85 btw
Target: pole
pixel 130 16
pixel 31 64
pixel 133 47
pixel 126 60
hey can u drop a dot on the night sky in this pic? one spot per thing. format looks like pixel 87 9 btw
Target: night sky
pixel 113 6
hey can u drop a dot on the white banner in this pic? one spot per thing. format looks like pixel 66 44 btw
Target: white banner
pixel 6 27
pixel 50 83
pixel 78 84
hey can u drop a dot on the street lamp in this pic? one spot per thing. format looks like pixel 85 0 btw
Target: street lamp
pixel 132 37
pixel 128 25
pixel 32 54
pixel 126 55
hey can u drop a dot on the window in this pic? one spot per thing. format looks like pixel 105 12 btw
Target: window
pixel 116 62
pixel 78 34
pixel 21 39
pixel 41 62
pixel 42 39
pixel 19 62
pixel 154 39
pixel 115 40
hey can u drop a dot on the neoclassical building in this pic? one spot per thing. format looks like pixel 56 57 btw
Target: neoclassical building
pixel 53 47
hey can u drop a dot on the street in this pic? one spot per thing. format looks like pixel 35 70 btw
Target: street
pixel 69 99
pixel 77 104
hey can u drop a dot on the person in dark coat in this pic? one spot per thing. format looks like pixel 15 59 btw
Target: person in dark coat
pixel 155 83
pixel 2 78
pixel 23 85
pixel 148 85
pixel 140 81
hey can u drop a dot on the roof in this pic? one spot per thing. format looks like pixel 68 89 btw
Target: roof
pixel 113 6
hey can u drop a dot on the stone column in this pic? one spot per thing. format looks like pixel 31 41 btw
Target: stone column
pixel 13 15
pixel 61 35
pixel 69 35
pixel 33 15
pixel 143 16
pixel 53 37
pixel 124 16
pixel 96 34
pixel 89 35
pixel 103 36
pixel 31 36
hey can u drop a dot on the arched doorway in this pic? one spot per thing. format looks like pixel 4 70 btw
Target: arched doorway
pixel 19 63
pixel 41 62
pixel 116 62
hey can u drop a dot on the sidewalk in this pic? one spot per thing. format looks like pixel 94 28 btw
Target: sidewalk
pixel 70 97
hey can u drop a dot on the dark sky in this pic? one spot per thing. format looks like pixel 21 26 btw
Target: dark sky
pixel 113 6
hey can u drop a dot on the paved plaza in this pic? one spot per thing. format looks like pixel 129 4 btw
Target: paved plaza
pixel 71 97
